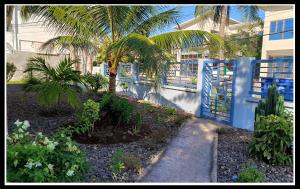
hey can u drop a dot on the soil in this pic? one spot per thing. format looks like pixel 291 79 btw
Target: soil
pixel 107 134
pixel 233 154
pixel 26 107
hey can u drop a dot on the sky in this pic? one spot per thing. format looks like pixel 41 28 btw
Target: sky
pixel 187 12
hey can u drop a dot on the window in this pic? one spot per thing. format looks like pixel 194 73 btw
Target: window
pixel 282 29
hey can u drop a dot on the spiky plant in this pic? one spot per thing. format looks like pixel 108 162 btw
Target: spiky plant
pixel 56 83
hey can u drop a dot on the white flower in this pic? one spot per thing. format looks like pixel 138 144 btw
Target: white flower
pixel 51 145
pixel 46 140
pixel 25 125
pixel 34 143
pixel 50 166
pixel 20 130
pixel 38 164
pixel 70 173
pixel 29 165
pixel 18 123
pixel 39 134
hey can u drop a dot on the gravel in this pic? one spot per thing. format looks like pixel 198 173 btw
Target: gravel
pixel 25 107
pixel 233 153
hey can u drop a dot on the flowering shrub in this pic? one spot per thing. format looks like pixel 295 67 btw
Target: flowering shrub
pixel 41 159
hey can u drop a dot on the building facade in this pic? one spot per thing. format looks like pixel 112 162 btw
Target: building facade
pixel 209 26
pixel 278 39
pixel 25 39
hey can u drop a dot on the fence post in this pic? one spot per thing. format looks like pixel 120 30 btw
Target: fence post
pixel 102 69
pixel 164 76
pixel 199 79
pixel 135 72
pixel 243 110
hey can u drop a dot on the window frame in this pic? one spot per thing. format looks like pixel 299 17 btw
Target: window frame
pixel 281 33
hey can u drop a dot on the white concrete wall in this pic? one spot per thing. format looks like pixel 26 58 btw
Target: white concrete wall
pixel 30 34
pixel 20 59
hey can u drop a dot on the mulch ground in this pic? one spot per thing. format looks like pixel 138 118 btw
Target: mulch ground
pixel 25 107
pixel 233 153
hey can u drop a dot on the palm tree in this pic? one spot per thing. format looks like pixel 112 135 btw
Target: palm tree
pixel 128 29
pixel 55 83
pixel 75 45
pixel 220 15
pixel 9 16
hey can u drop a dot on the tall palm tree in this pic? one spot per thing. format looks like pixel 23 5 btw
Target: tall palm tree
pixel 75 45
pixel 220 15
pixel 9 16
pixel 128 28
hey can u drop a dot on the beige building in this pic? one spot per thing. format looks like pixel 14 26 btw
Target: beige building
pixel 278 39
pixel 207 25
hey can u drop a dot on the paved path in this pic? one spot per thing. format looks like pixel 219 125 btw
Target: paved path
pixel 189 157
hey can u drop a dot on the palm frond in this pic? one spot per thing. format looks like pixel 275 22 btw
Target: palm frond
pixel 186 39
pixel 250 13
pixel 69 42
pixel 158 22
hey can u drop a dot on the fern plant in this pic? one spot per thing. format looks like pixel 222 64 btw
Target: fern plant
pixel 56 83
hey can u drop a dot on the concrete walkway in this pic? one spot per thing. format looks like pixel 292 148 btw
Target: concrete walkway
pixel 189 157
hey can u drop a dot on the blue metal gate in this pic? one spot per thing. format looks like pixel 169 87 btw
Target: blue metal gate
pixel 218 89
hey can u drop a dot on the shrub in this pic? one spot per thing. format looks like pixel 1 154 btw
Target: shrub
pixel 136 128
pixel 87 117
pixel 10 70
pixel 157 136
pixel 132 162
pixel 170 110
pixel 30 82
pixel 117 164
pixel 148 106
pixel 122 110
pixel 251 174
pixel 160 135
pixel 56 83
pixel 41 159
pixel 95 82
pixel 272 139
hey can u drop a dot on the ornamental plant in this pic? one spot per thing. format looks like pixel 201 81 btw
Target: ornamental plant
pixel 38 158
pixel 117 164
pixel 250 174
pixel 10 70
pixel 86 118
pixel 272 139
pixel 95 82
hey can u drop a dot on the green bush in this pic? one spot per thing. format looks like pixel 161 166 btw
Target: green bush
pixel 87 117
pixel 170 110
pixel 122 110
pixel 118 108
pixel 41 159
pixel 95 82
pixel 251 174
pixel 117 164
pixel 56 83
pixel 10 70
pixel 272 138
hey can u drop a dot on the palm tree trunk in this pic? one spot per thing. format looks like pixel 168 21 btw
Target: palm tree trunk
pixel 112 78
pixel 9 15
pixel 222 29
pixel 91 64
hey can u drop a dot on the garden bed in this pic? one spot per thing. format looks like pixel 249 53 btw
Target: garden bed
pixel 233 153
pixel 99 150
